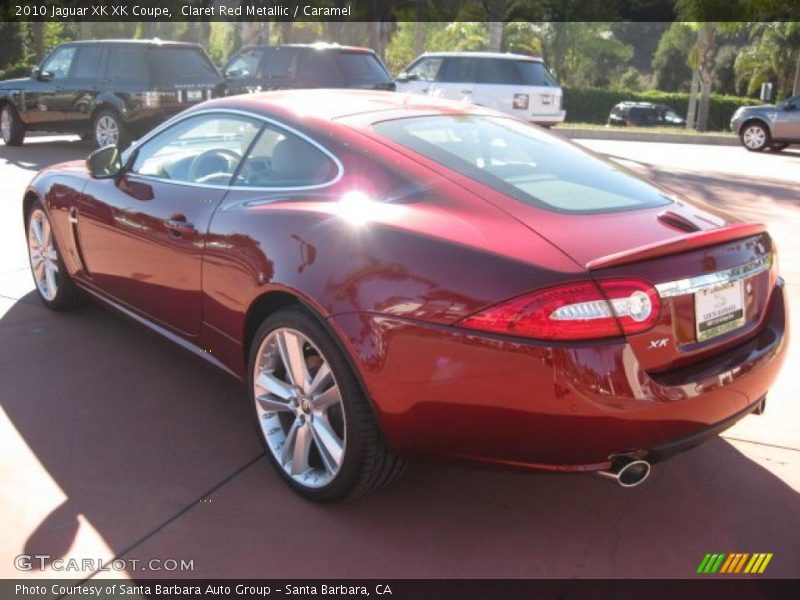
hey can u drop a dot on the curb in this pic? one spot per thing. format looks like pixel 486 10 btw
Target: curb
pixel 648 136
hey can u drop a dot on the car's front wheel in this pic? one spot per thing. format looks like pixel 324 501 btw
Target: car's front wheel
pixel 12 127
pixel 53 284
pixel 313 418
pixel 109 130
pixel 755 136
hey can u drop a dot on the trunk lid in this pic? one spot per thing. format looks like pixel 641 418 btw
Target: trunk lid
pixel 700 263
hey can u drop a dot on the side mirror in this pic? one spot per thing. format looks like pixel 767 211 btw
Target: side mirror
pixel 35 73
pixel 233 74
pixel 44 76
pixel 790 107
pixel 104 163
pixel 401 77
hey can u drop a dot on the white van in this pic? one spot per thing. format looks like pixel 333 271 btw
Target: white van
pixel 512 83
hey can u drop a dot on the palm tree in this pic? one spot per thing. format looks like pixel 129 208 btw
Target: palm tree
pixel 37 33
pixel 706 70
pixel 497 15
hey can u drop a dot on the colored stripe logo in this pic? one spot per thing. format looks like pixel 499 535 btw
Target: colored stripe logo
pixel 733 563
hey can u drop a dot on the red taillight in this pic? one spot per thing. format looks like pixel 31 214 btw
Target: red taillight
pixel 575 311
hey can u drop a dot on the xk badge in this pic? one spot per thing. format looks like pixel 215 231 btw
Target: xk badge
pixel 660 343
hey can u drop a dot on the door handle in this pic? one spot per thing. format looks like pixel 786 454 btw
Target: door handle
pixel 178 226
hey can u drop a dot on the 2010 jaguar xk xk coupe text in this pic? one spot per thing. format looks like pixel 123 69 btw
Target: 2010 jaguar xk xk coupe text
pixel 395 276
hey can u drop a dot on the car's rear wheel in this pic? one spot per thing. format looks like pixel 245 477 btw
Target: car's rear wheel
pixel 53 284
pixel 12 127
pixel 313 418
pixel 755 136
pixel 109 130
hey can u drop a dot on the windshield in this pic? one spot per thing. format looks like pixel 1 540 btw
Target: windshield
pixel 523 162
pixel 362 68
pixel 182 65
pixel 535 73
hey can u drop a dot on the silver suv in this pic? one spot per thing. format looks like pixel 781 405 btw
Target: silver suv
pixel 768 126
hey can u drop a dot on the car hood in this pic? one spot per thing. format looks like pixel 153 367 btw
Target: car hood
pixel 757 109
pixel 12 83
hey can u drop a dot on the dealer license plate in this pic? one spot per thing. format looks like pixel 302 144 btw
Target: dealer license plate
pixel 719 310
pixel 194 95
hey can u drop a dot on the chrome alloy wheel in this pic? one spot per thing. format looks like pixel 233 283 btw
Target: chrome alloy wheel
pixel 5 123
pixel 43 254
pixel 106 131
pixel 299 408
pixel 754 137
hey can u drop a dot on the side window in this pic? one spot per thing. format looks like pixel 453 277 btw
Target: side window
pixel 205 149
pixel 318 68
pixel 244 64
pixel 281 65
pixel 128 63
pixel 425 70
pixel 280 158
pixel 497 71
pixel 60 62
pixel 87 62
pixel 456 70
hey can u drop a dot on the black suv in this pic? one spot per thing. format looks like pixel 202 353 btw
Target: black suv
pixel 644 114
pixel 288 66
pixel 107 90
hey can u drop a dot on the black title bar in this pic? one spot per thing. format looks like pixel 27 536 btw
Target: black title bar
pixel 399 10
pixel 732 588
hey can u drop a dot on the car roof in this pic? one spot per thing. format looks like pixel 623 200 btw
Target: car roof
pixel 476 54
pixel 152 42
pixel 315 46
pixel 632 103
pixel 327 106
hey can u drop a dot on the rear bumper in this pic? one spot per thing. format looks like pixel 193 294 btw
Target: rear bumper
pixel 441 391
pixel 551 119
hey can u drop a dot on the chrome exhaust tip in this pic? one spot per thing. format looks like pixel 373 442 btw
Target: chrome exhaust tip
pixel 626 471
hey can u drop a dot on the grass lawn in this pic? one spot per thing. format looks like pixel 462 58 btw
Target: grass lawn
pixel 672 130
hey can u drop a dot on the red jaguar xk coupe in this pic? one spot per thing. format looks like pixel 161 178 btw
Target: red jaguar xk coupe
pixel 396 277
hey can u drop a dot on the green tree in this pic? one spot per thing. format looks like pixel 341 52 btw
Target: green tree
pixel 583 54
pixel 671 71
pixel 774 55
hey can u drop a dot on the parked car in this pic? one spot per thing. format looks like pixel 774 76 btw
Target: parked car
pixel 644 114
pixel 395 276
pixel 768 126
pixel 518 85
pixel 109 91
pixel 288 66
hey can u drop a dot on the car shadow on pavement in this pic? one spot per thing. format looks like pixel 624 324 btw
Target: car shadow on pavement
pixel 39 153
pixel 157 452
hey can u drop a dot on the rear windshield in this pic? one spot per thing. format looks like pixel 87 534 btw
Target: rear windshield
pixel 504 71
pixel 182 65
pixel 535 73
pixel 523 162
pixel 362 68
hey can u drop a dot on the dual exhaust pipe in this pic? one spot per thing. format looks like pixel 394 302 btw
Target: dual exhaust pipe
pixel 627 471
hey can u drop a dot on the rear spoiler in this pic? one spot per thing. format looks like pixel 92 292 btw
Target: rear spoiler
pixel 684 243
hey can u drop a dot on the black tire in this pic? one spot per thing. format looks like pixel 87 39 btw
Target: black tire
pixel 367 462
pixel 14 129
pixel 755 136
pixel 100 126
pixel 778 146
pixel 67 295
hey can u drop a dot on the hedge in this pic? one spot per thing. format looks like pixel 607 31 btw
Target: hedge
pixel 593 105
pixel 15 72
